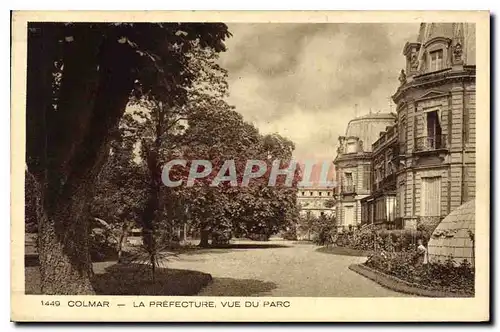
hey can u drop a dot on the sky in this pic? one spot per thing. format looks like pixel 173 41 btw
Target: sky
pixel 303 80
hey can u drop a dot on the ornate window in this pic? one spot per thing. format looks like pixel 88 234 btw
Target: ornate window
pixel 436 60
pixel 436 55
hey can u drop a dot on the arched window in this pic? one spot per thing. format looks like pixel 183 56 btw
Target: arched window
pixel 436 60
pixel 437 53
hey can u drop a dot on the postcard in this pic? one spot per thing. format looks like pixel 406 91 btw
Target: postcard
pixel 250 166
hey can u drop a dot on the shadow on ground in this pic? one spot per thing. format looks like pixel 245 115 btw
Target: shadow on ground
pixel 136 279
pixel 237 287
pixel 251 246
pixel 226 248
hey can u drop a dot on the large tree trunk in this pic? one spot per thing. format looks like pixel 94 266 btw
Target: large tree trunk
pixel 65 264
pixel 204 233
pixel 67 146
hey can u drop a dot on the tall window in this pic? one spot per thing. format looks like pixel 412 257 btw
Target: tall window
pixel 436 59
pixel 433 130
pixel 431 196
pixel 348 215
pixel 378 173
pixel 348 179
pixel 388 167
pixel 380 211
pixel 364 212
pixel 390 207
pixel 366 177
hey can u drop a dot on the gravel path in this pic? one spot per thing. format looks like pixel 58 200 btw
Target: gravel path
pixel 279 268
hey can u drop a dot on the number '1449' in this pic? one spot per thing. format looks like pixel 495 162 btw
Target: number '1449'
pixel 51 303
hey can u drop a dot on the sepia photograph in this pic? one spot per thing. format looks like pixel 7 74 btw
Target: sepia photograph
pixel 178 162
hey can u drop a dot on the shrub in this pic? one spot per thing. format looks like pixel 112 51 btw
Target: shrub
pixel 102 247
pixel 290 234
pixel 221 237
pixel 258 237
pixel 388 240
pixel 323 229
pixel 447 276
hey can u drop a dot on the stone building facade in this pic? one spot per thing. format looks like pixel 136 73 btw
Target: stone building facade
pixel 436 120
pixel 314 201
pixel 353 166
pixel 380 207
pixel 432 156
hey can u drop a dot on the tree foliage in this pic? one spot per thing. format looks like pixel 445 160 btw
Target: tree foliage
pixel 80 79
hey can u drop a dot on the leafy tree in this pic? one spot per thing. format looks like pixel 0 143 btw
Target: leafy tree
pixel 256 210
pixel 275 207
pixel 159 134
pixel 120 192
pixel 329 203
pixel 217 133
pixel 80 77
pixel 324 227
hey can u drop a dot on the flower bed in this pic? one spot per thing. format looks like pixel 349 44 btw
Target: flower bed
pixel 370 239
pixel 448 277
pixel 402 286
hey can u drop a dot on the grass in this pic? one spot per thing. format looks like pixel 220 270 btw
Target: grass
pixel 343 251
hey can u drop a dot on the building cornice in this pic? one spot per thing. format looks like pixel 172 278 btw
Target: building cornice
pixel 353 157
pixel 434 79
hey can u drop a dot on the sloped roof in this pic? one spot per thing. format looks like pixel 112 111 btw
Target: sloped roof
pixel 368 127
pixel 465 33
pixel 453 237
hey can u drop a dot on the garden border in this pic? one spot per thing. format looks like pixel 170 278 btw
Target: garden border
pixel 402 286
pixel 344 251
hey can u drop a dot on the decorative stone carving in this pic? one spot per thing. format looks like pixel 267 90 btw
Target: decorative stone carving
pixel 402 77
pixel 414 61
pixel 457 53
pixel 411 52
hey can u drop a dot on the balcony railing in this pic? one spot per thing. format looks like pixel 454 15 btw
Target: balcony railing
pixel 430 143
pixel 348 189
pixel 388 182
